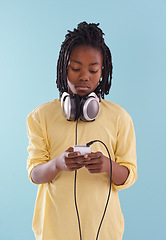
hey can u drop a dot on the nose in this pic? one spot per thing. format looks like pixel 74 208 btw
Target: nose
pixel 84 76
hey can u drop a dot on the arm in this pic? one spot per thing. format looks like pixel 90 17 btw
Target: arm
pixel 97 163
pixel 119 173
pixel 46 172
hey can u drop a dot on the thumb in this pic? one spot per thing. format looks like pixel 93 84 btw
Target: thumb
pixel 70 149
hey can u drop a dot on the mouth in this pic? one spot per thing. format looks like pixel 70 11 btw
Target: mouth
pixel 82 88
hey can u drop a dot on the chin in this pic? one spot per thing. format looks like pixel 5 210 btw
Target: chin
pixel 83 93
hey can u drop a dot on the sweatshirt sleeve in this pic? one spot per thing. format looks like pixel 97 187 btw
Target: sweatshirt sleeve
pixel 38 144
pixel 125 153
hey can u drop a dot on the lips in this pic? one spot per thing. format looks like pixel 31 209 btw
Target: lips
pixel 82 88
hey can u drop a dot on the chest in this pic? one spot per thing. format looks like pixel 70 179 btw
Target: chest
pixel 62 134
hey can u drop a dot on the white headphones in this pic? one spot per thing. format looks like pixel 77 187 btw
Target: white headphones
pixel 74 107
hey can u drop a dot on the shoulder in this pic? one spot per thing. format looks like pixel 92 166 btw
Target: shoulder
pixel 45 109
pixel 115 110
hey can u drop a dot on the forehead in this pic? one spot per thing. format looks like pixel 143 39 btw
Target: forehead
pixel 86 53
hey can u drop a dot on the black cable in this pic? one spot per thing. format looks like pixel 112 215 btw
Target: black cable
pixel 109 193
pixel 75 200
pixel 75 195
pixel 76 132
pixel 88 144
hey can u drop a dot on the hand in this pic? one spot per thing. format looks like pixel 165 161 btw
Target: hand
pixel 96 162
pixel 73 160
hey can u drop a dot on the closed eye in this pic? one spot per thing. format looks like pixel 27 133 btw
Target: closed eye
pixel 75 69
pixel 91 71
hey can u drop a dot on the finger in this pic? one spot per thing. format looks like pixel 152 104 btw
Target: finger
pixel 74 166
pixel 93 155
pixel 93 165
pixel 73 154
pixel 75 161
pixel 93 160
pixel 70 149
pixel 74 158
pixel 93 168
pixel 79 159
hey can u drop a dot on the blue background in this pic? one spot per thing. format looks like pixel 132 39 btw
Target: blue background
pixel 31 33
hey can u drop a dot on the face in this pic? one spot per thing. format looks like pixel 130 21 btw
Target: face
pixel 84 70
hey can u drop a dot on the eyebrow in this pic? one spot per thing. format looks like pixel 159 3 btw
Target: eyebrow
pixel 91 64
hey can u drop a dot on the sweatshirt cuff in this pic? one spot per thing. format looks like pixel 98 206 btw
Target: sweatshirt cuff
pixel 132 177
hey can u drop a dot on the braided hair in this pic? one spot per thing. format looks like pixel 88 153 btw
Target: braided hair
pixel 87 35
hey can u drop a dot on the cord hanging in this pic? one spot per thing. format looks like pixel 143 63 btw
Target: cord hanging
pixel 109 192
pixel 75 185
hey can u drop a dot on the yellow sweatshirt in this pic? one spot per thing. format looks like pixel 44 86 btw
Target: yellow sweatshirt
pixel 50 134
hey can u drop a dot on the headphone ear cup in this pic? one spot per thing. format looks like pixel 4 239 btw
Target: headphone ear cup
pixel 66 105
pixel 90 107
pixel 70 105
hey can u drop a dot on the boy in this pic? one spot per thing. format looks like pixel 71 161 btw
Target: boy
pixel 84 74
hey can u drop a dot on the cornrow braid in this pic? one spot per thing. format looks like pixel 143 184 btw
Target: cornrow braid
pixel 90 35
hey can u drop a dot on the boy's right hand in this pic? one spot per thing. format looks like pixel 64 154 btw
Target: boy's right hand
pixel 70 160
pixel 67 161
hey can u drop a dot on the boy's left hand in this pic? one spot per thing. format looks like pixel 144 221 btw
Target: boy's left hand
pixel 96 162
